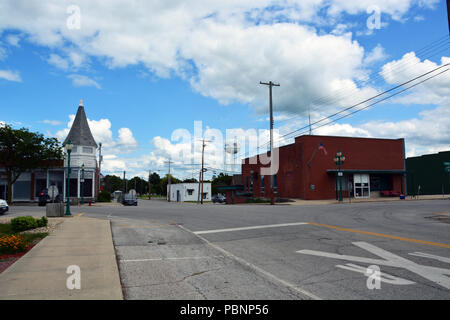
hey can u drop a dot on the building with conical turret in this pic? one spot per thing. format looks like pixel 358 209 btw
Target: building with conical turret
pixel 32 183
pixel 82 182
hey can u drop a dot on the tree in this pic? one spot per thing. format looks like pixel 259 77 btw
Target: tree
pixel 220 180
pixel 22 150
pixel 164 182
pixel 112 183
pixel 190 180
pixel 155 181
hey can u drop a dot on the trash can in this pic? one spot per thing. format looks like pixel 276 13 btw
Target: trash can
pixel 54 209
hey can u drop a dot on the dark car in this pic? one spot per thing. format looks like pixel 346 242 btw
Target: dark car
pixel 219 198
pixel 129 200
pixel 45 198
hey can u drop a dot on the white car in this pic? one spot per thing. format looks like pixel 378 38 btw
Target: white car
pixel 3 206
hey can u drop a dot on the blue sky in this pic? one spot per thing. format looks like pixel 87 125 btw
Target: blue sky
pixel 145 70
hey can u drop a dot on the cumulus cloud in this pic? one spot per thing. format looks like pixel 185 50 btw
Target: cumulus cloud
pixel 52 122
pixel 223 48
pixel 79 80
pixel 10 75
pixel 434 91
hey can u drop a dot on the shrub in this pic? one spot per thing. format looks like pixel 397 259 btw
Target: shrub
pixel 12 244
pixel 42 222
pixel 104 196
pixel 23 223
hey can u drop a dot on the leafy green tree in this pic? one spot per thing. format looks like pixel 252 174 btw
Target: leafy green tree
pixel 22 150
pixel 164 182
pixel 190 180
pixel 220 180
pixel 155 182
pixel 112 183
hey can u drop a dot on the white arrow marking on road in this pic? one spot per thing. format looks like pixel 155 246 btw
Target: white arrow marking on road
pixel 440 276
pixel 384 277
pixel 431 256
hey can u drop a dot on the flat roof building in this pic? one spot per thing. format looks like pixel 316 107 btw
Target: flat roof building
pixel 181 192
pixel 307 169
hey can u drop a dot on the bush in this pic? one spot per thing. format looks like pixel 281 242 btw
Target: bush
pixel 12 244
pixel 104 196
pixel 23 223
pixel 42 222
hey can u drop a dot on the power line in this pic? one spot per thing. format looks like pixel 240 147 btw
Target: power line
pixel 378 95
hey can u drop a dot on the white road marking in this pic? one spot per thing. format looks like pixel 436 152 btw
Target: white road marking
pixel 251 228
pixel 256 268
pixel 174 258
pixel 431 256
pixel 384 277
pixel 440 276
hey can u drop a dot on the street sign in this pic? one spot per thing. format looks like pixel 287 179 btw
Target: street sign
pixel 204 169
pixel 340 174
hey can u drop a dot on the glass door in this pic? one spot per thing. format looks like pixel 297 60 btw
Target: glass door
pixel 361 185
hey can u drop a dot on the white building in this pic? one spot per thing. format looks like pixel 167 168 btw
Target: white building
pixel 31 183
pixel 83 153
pixel 188 192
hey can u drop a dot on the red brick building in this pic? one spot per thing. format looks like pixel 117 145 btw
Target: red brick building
pixel 307 169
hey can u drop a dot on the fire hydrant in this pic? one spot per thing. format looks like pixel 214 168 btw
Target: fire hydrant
pixel 90 203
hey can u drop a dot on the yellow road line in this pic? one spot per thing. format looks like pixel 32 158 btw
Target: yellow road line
pixel 382 235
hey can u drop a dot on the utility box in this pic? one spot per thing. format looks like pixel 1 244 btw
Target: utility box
pixel 55 209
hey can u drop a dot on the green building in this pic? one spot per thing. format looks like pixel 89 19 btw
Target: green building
pixel 427 174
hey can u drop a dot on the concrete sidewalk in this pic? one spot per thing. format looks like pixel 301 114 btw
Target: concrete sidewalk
pixel 41 273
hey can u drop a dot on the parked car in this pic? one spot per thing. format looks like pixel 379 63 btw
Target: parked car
pixel 44 197
pixel 3 206
pixel 219 198
pixel 129 200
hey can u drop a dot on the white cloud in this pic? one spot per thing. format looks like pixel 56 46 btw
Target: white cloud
pixel 377 54
pixel 52 122
pixel 13 40
pixel 83 81
pixel 10 75
pixel 433 91
pixel 224 48
pixel 58 61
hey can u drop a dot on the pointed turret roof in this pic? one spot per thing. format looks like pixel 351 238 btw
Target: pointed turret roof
pixel 80 134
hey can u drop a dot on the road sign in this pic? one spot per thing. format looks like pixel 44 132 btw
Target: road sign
pixel 340 174
pixel 204 169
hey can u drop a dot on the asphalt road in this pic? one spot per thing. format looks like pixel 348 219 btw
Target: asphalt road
pixel 188 251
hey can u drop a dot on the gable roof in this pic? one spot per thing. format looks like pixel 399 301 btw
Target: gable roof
pixel 80 133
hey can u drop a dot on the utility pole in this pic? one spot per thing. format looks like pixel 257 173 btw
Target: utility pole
pixel 149 186
pixel 271 84
pixel 125 183
pixel 169 182
pixel 448 15
pixel 203 164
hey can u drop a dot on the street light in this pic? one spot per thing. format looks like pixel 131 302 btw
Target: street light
pixel 339 160
pixel 69 147
pixel 82 183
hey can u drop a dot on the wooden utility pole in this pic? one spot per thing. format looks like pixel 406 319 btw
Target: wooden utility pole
pixel 448 15
pixel 271 84
pixel 203 164
pixel 149 186
pixel 169 182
